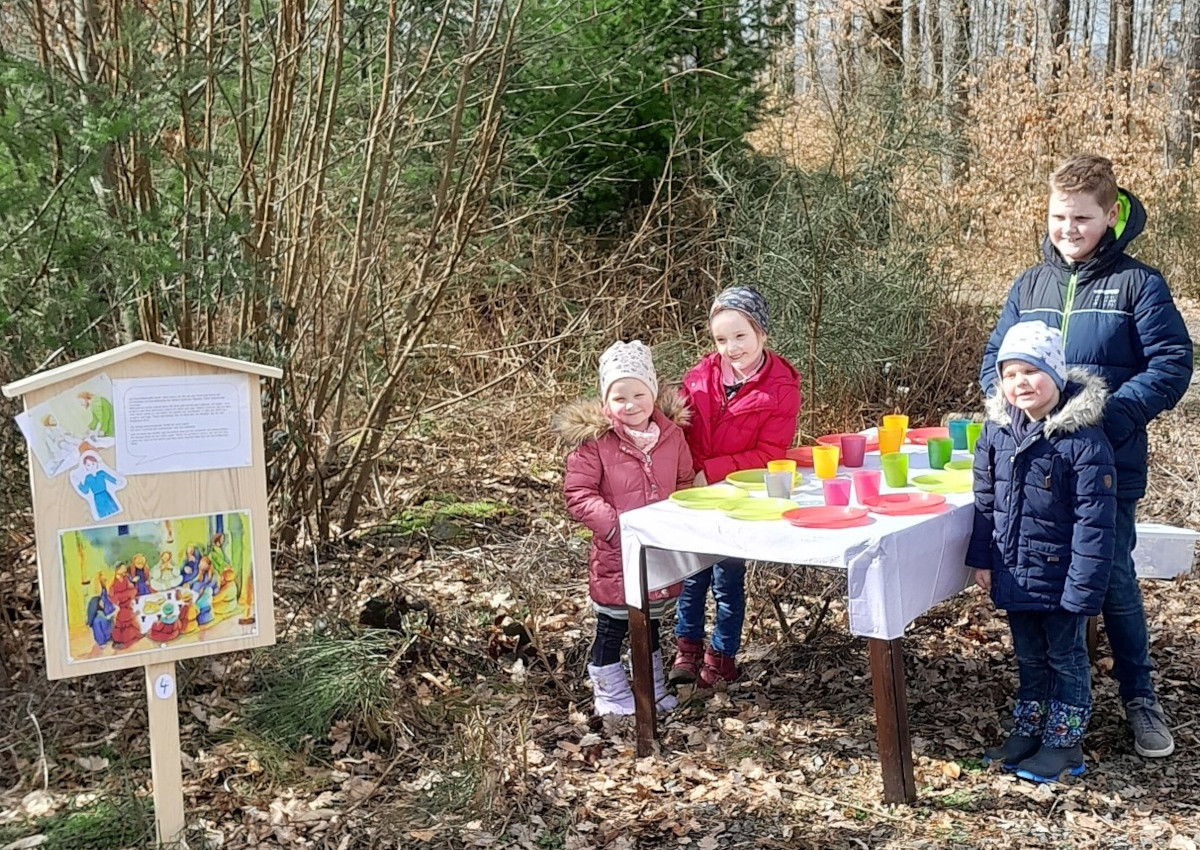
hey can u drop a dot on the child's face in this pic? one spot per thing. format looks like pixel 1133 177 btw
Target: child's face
pixel 631 403
pixel 1077 223
pixel 1028 388
pixel 738 340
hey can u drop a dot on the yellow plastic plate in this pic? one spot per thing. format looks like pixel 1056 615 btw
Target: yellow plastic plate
pixel 753 479
pixel 757 509
pixel 953 481
pixel 708 498
pixel 959 464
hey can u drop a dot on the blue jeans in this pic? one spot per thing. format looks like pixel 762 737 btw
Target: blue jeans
pixel 1052 656
pixel 1124 614
pixel 728 581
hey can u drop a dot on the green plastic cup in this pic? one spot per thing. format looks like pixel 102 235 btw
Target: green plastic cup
pixel 940 449
pixel 895 469
pixel 974 429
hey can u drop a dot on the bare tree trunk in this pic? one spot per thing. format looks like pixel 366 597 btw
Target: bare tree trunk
pixel 844 46
pixel 955 36
pixel 1183 123
pixel 931 39
pixel 911 36
pixel 1121 35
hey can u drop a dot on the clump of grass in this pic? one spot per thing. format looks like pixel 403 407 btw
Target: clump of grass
pixel 104 824
pixel 308 684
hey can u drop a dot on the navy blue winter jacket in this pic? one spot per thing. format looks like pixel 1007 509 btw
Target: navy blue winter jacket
pixel 1118 321
pixel 1045 510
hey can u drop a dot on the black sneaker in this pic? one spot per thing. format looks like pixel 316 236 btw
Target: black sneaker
pixel 1015 748
pixel 1049 764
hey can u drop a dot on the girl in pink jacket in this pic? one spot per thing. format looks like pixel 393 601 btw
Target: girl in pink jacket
pixel 744 400
pixel 627 451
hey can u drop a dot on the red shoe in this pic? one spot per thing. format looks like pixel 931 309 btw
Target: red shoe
pixel 718 668
pixel 689 655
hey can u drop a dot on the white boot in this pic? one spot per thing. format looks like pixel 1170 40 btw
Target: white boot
pixel 610 689
pixel 662 698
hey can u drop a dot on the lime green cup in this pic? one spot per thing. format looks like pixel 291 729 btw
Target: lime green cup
pixel 940 449
pixel 974 429
pixel 895 469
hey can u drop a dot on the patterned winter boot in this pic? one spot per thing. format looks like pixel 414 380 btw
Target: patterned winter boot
pixel 1062 750
pixel 610 689
pixel 718 668
pixel 663 700
pixel 1029 722
pixel 689 655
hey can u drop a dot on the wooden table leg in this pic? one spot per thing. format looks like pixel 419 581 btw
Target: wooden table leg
pixel 643 673
pixel 891 721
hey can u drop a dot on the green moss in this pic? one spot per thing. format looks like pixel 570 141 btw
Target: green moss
pixel 438 516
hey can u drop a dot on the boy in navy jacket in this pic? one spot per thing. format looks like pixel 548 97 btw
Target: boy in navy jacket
pixel 1119 322
pixel 1042 540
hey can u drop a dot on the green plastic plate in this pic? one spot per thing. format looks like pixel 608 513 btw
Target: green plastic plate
pixel 708 498
pixel 753 479
pixel 757 509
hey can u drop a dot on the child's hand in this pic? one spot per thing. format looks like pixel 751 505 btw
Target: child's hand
pixel 700 481
pixel 983 578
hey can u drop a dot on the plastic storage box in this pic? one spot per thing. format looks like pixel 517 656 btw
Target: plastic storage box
pixel 1163 551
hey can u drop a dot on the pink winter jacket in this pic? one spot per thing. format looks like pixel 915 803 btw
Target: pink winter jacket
pixel 757 425
pixel 606 476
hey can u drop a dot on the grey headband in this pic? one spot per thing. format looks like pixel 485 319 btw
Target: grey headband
pixel 744 300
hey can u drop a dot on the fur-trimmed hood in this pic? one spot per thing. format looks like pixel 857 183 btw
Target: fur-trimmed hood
pixel 584 419
pixel 1086 395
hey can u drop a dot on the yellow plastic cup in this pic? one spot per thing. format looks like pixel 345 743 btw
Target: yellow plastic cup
pixel 781 466
pixel 895 469
pixel 890 440
pixel 896 420
pixel 825 461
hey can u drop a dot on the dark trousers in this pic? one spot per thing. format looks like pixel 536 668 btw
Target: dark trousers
pixel 610 637
pixel 1052 657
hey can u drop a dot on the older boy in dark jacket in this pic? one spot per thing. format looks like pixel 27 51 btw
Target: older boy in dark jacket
pixel 1119 322
pixel 1042 540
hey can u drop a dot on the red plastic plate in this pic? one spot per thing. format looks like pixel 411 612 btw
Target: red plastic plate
pixel 920 435
pixel 802 455
pixel 828 516
pixel 836 440
pixel 905 503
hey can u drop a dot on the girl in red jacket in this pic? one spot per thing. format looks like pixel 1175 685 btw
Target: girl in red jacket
pixel 627 452
pixel 744 401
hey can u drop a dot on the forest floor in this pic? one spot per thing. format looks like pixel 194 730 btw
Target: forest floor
pixel 484 738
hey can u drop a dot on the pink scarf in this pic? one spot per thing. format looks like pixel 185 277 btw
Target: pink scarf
pixel 645 441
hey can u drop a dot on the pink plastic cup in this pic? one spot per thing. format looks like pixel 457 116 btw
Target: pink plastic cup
pixel 837 491
pixel 866 484
pixel 854 446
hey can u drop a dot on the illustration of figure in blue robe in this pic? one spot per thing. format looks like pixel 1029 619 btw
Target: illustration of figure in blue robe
pixel 100 613
pixel 98 484
pixel 190 568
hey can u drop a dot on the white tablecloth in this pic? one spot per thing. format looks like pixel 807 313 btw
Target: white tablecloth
pixel 898 567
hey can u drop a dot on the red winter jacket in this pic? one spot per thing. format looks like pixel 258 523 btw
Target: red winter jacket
pixel 606 475
pixel 757 425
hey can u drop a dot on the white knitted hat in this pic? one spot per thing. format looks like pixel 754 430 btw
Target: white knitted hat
pixel 627 360
pixel 1037 344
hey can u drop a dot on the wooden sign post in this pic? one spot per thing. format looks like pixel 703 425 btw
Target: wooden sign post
pixel 148 474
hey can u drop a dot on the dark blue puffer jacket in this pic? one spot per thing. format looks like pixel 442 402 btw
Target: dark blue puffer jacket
pixel 1045 510
pixel 1120 322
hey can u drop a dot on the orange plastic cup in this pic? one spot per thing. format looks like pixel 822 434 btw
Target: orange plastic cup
pixel 890 440
pixel 896 420
pixel 825 461
pixel 781 466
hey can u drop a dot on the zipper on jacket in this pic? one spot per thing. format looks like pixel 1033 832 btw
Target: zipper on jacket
pixel 1068 305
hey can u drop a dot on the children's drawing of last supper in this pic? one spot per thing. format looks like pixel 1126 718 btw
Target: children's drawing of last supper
pixel 140 586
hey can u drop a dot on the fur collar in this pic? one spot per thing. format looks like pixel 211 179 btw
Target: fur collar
pixel 1086 395
pixel 584 420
